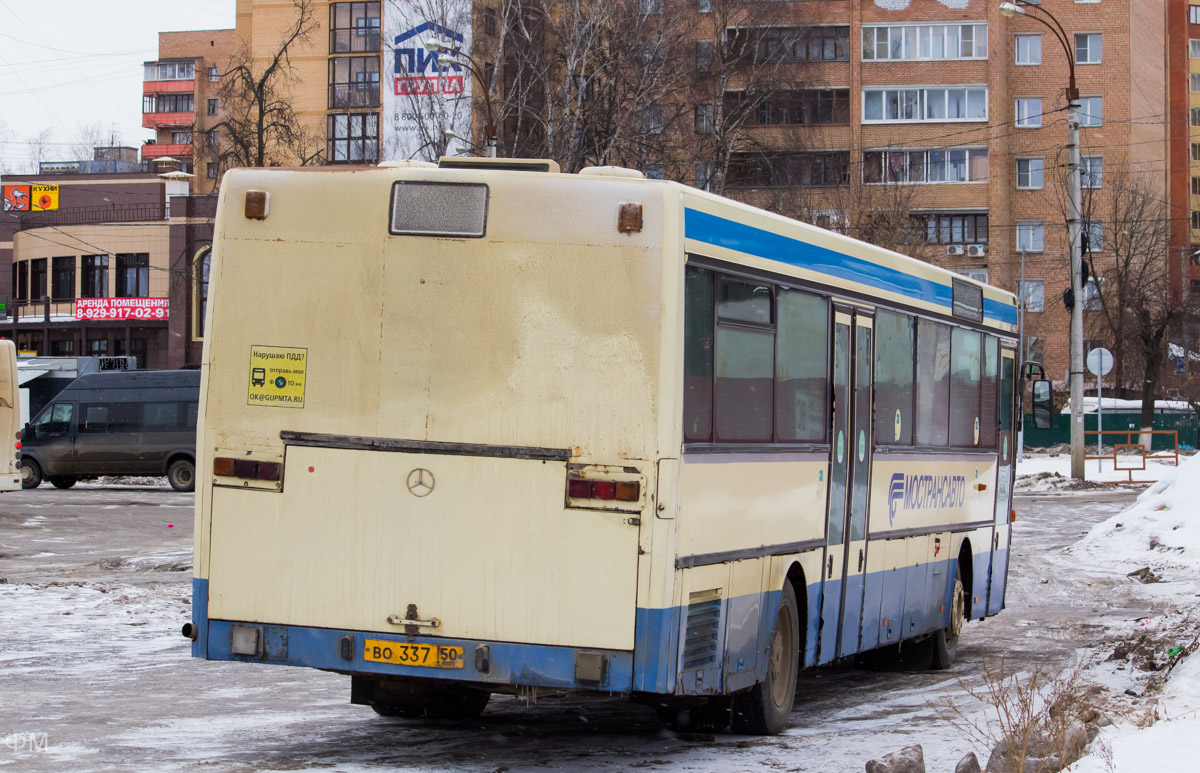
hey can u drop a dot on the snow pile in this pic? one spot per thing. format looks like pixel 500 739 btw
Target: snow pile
pixel 1160 531
pixel 1038 472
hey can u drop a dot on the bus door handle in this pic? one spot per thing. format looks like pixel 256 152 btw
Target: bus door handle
pixel 830 566
pixel 860 559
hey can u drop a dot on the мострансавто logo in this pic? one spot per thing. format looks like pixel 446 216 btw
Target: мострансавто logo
pixel 924 492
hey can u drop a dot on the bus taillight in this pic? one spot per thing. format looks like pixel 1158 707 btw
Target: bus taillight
pixel 247 469
pixel 622 491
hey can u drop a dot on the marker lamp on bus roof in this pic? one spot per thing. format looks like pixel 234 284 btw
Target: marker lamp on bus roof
pixel 423 208
pixel 258 205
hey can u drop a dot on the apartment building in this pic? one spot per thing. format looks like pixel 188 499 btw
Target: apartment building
pixel 1183 45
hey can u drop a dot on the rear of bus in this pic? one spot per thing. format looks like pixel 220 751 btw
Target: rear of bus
pixel 429 425
pixel 10 418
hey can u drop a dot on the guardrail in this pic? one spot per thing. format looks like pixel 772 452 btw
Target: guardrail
pixel 1124 454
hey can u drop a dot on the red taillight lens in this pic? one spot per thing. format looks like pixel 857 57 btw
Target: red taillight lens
pixel 245 468
pixel 270 471
pixel 579 489
pixel 248 469
pixel 604 489
pixel 18 445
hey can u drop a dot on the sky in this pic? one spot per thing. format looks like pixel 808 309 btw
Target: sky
pixel 69 65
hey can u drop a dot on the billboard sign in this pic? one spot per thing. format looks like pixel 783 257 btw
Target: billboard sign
pixel 426 93
pixel 122 308
pixel 30 198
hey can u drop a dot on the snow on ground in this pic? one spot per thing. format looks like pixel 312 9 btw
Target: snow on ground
pixel 1161 533
pixel 1039 471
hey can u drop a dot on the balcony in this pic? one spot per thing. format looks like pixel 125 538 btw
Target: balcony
pixel 168 120
pixel 159 151
pixel 168 87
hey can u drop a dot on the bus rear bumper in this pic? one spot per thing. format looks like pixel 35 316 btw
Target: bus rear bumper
pixel 483 663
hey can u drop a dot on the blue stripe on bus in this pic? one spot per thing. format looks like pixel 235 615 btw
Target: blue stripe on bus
pixel 720 232
pixel 908 598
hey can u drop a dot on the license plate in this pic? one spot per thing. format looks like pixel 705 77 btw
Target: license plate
pixel 422 655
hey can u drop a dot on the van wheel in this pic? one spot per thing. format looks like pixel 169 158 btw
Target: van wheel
pixel 945 641
pixel 31 474
pixel 63 482
pixel 182 475
pixel 766 708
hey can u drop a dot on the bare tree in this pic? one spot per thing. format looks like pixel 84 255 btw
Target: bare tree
pixel 260 127
pixel 6 136
pixel 88 137
pixel 587 81
pixel 39 148
pixel 1130 300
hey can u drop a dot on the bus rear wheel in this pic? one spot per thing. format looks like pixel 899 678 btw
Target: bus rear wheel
pixel 945 641
pixel 31 474
pixel 766 708
pixel 182 475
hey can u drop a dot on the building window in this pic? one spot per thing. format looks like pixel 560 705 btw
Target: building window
pixel 1091 111
pixel 953 227
pixel 1030 236
pixel 1195 220
pixel 770 170
pixel 1029 173
pixel 1194 49
pixel 1093 236
pixel 1091 171
pixel 650 6
pixel 21 282
pixel 650 119
pixel 1196 151
pixel 96 347
pixel 353 138
pixel 1194 82
pixel 796 108
pixel 181 138
pixel 1194 14
pixel 1029 49
pixel 655 170
pixel 62 281
pixel 924 41
pixel 1091 294
pixel 354 81
pixel 704 56
pixel 214 74
pixel 925 166
pixel 1195 192
pixel 168 103
pixel 200 267
pixel 704 118
pixel 960 103
pixel 978 274
pixel 37 279
pixel 1033 294
pixel 489 22
pixel 704 173
pixel 62 348
pixel 704 6
pixel 210 171
pixel 353 28
pixel 1087 48
pixel 1029 112
pixel 169 71
pixel 1194 116
pixel 212 107
pixel 94 277
pixel 133 275
pixel 793 44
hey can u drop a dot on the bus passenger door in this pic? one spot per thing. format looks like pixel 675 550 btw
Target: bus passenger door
pixel 833 570
pixel 859 453
pixel 998 573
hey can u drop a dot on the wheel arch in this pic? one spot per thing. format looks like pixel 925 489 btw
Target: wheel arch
pixel 966 571
pixel 174 456
pixel 795 576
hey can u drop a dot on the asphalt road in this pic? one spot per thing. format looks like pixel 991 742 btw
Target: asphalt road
pixel 94 674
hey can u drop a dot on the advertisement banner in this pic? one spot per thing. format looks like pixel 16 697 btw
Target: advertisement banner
pixel 121 308
pixel 426 92
pixel 43 197
pixel 16 198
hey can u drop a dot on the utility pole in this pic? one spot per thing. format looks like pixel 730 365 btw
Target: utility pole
pixel 1075 245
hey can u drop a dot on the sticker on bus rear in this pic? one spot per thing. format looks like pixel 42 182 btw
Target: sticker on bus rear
pixel 277 376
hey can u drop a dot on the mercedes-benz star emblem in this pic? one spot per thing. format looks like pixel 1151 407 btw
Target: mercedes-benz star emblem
pixel 421 482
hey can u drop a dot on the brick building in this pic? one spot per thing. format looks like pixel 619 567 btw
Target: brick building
pixel 1183 46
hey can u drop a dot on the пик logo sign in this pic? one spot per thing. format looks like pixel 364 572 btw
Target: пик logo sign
pixel 417 70
pixel 924 492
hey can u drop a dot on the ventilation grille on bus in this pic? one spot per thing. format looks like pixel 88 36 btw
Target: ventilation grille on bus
pixel 703 627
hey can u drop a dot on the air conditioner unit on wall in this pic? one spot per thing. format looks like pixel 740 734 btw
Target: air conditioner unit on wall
pixel 977 250
pixel 954 249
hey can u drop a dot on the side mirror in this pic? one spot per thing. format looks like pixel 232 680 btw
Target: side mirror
pixel 27 433
pixel 1043 404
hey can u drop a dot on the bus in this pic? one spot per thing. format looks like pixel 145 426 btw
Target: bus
pixel 10 418
pixel 500 429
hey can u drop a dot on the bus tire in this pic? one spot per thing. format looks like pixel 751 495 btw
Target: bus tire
pixel 766 708
pixel 440 703
pixel 945 641
pixel 182 475
pixel 63 481
pixel 31 474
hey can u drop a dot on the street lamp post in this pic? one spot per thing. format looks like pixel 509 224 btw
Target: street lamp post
pixel 465 59
pixel 1074 221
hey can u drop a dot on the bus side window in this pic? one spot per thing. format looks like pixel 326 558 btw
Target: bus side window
pixel 801 350
pixel 697 357
pixel 893 379
pixel 933 383
pixel 745 363
pixel 964 387
pixel 987 404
